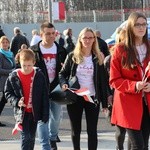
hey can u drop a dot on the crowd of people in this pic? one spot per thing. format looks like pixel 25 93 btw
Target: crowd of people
pixel 118 78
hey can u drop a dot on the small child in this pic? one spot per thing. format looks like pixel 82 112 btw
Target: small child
pixel 26 89
pixel 23 46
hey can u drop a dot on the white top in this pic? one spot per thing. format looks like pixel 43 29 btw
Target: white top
pixel 84 73
pixel 141 49
pixel 35 40
pixel 49 55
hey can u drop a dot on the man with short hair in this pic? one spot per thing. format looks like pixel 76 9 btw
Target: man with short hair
pixel 17 41
pixel 102 44
pixel 1 32
pixel 49 57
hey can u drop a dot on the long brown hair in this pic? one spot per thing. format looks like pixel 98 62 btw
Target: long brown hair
pixel 130 45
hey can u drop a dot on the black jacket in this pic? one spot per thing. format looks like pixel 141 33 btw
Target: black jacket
pixel 103 46
pixel 99 77
pixel 60 58
pixel 107 68
pixel 16 43
pixel 1 33
pixel 40 100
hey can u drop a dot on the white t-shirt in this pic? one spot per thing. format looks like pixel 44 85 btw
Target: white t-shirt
pixel 85 73
pixel 49 55
pixel 35 40
pixel 142 52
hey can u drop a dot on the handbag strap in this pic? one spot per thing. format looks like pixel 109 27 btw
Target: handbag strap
pixel 72 70
pixel 96 102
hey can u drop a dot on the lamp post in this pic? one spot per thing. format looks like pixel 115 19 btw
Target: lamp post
pixel 83 5
pixel 122 12
pixel 143 5
pixel 50 11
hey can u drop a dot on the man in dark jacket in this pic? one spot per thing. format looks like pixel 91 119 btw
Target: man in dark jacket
pixel 49 57
pixel 1 32
pixel 102 44
pixel 17 41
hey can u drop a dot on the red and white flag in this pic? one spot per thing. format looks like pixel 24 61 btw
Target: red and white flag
pixel 58 10
pixel 85 93
pixel 82 91
pixel 18 127
pixel 88 98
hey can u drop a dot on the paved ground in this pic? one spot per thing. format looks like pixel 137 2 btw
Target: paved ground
pixel 8 119
pixel 106 140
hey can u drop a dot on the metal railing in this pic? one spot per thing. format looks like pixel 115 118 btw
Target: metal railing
pixel 71 16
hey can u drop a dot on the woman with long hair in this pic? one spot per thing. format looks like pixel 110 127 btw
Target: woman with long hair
pixel 130 79
pixel 86 63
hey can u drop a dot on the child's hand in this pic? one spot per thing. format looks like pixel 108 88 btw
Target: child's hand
pixel 21 102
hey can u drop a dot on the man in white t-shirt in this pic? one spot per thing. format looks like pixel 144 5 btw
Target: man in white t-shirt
pixel 49 58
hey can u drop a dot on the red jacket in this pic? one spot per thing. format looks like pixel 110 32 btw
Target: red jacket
pixel 127 108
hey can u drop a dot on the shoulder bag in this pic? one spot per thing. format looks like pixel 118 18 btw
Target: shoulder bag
pixel 66 97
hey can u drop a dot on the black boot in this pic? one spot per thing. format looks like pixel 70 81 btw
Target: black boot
pixel 53 145
pixel 58 139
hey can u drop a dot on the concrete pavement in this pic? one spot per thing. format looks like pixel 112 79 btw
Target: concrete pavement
pixel 106 141
pixel 106 133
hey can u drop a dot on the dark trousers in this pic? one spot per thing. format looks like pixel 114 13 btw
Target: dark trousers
pixel 139 138
pixel 120 137
pixel 3 101
pixel 29 132
pixel 75 112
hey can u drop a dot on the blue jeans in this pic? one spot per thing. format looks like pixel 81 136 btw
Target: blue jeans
pixel 29 132
pixel 43 135
pixel 54 120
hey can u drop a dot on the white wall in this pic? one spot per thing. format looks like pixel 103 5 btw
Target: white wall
pixel 106 28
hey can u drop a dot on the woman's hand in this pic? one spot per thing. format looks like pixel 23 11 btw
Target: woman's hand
pixel 21 102
pixel 146 87
pixel 140 85
pixel 110 99
pixel 65 87
pixel 104 110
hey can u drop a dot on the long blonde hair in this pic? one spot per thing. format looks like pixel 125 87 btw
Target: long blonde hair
pixel 78 51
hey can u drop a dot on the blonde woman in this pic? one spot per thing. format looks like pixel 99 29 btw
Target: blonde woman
pixel 120 131
pixel 6 66
pixel 87 62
